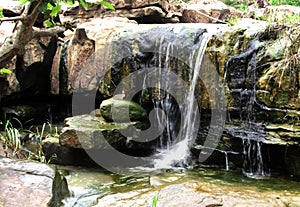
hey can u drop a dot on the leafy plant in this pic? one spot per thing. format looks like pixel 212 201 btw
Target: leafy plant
pixel 5 71
pixel 155 200
pixel 39 136
pixel 11 138
pixel 1 13
pixel 282 2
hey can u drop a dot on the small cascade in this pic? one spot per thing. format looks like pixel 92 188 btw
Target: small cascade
pixel 226 161
pixel 252 135
pixel 253 160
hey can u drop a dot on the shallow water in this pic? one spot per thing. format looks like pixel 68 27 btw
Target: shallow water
pixel 178 187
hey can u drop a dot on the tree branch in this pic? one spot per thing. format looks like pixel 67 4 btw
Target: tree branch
pixel 5 19
pixel 22 33
pixel 26 9
pixel 30 18
pixel 47 32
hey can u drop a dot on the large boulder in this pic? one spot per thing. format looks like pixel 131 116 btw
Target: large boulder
pixel 86 56
pixel 31 184
pixel 120 110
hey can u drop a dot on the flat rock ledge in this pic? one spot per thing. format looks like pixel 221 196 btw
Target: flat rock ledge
pixel 28 183
pixel 93 132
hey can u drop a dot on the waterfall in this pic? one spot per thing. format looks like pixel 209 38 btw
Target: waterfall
pixel 160 68
pixel 177 151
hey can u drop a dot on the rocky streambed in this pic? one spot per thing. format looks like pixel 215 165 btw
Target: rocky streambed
pixel 178 187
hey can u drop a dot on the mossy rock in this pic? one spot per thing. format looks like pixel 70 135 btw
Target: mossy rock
pixel 123 110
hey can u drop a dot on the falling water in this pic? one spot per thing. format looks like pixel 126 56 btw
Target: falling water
pixel 226 161
pixel 252 135
pixel 177 151
pixel 253 162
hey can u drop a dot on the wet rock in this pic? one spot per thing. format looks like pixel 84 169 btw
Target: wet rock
pixel 62 155
pixel 120 110
pixel 60 190
pixel 278 84
pixel 288 133
pixel 27 112
pixel 198 194
pixel 292 159
pixel 28 183
pixel 261 80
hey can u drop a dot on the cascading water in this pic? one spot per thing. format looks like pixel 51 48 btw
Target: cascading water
pixel 177 150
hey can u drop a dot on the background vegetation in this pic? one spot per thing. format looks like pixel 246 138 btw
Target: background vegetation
pixel 244 4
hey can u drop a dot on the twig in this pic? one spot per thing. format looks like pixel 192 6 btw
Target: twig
pixel 217 20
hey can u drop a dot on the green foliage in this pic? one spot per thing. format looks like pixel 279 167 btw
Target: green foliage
pixel 5 71
pixel 155 199
pixel 12 139
pixel 1 13
pixel 53 7
pixel 11 136
pixel 107 5
pixel 39 136
pixel 285 2
pixel 240 5
pixel 292 19
pixel 48 23
pixel 243 5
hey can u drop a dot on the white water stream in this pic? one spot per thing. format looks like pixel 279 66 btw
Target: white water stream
pixel 178 148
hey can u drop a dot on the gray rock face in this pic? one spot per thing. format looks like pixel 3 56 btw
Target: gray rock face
pixel 26 183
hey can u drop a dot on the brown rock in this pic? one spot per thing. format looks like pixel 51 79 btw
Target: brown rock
pixel 25 183
pixel 86 56
pixel 207 12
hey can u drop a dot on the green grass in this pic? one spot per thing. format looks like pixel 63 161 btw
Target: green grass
pixel 285 2
pixel 12 139
pixel 155 200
